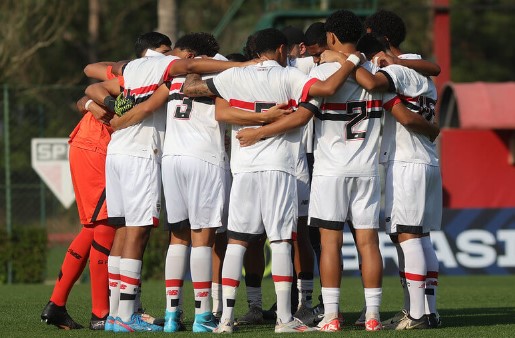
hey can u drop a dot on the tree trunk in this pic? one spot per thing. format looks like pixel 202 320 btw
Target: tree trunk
pixel 167 18
pixel 93 27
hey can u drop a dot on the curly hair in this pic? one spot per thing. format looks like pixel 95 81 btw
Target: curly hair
pixel 388 24
pixel 199 44
pixel 150 40
pixel 346 25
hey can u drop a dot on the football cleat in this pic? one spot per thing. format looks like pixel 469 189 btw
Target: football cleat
pixel 109 325
pixel 96 323
pixel 204 322
pixel 433 320
pixel 253 317
pixel 331 323
pixel 362 318
pixel 396 318
pixel 227 326
pixel 373 323
pixel 293 326
pixel 305 315
pixel 408 323
pixel 58 316
pixel 135 324
pixel 173 321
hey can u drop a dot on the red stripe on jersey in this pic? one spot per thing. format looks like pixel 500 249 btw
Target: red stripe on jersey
pixel 278 278
pixel 389 105
pixel 230 282
pixel 115 276
pixel 305 90
pixel 167 76
pixel 432 274
pixel 129 280
pixel 242 104
pixel 176 86
pixel 144 90
pixel 408 98
pixel 415 277
pixel 174 283
pixel 202 285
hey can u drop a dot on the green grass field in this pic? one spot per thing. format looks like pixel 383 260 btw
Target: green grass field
pixel 471 306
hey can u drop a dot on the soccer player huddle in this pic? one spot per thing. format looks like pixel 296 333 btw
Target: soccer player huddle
pixel 159 122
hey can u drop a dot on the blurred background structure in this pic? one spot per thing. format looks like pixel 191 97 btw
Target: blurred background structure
pixel 46 44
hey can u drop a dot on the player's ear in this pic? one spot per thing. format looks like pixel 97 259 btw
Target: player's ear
pixel 331 38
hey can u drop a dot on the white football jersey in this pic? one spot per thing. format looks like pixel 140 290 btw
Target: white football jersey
pixel 258 88
pixel 142 77
pixel 347 128
pixel 418 93
pixel 191 128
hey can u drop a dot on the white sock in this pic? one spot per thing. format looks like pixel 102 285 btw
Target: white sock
pixel 231 275
pixel 282 274
pixel 305 287
pixel 113 269
pixel 216 296
pixel 433 267
pixel 331 297
pixel 130 275
pixel 415 272
pixel 201 275
pixel 373 301
pixel 175 268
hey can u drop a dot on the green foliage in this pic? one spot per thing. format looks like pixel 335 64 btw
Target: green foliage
pixel 155 255
pixel 29 249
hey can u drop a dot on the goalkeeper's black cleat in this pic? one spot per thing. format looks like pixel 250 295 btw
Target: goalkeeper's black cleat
pixel 96 323
pixel 58 316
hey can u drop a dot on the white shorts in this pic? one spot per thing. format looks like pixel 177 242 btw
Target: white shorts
pixel 335 200
pixel 263 201
pixel 194 192
pixel 133 190
pixel 413 198
pixel 225 214
pixel 303 186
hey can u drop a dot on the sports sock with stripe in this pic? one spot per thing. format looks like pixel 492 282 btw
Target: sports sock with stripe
pixel 103 236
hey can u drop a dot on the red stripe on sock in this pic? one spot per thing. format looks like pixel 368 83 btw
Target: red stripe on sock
pixel 115 276
pixel 129 280
pixel 230 282
pixel 278 278
pixel 202 285
pixel 432 274
pixel 173 283
pixel 415 277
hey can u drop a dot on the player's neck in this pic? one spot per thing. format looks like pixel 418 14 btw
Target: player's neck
pixel 344 47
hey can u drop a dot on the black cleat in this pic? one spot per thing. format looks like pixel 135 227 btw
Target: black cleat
pixel 434 320
pixel 58 316
pixel 97 324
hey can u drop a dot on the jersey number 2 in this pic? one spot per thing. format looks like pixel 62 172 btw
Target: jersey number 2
pixel 357 110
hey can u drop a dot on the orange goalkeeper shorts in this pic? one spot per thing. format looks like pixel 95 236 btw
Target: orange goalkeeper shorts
pixel 88 176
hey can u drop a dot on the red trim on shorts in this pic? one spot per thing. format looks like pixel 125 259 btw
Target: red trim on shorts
pixel 230 282
pixel 202 285
pixel 278 278
pixel 415 277
pixel 174 283
pixel 129 280
pixel 432 274
pixel 115 276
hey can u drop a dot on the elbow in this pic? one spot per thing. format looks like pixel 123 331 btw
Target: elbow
pixel 87 70
pixel 90 91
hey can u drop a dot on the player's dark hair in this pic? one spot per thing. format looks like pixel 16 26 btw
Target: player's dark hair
pixel 370 45
pixel 249 50
pixel 199 44
pixel 150 40
pixel 238 57
pixel 315 35
pixel 269 39
pixel 388 24
pixel 346 25
pixel 293 35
